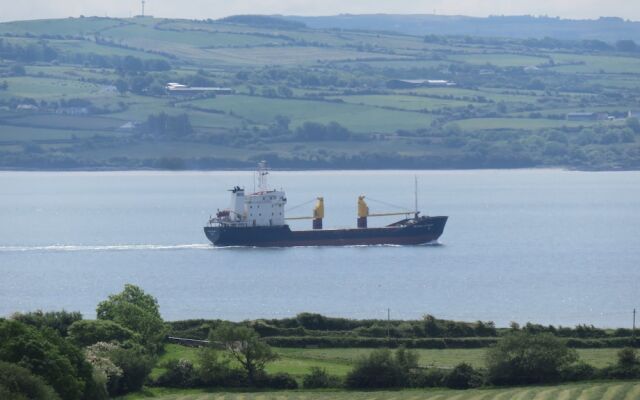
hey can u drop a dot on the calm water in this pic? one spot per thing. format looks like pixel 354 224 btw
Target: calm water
pixel 528 245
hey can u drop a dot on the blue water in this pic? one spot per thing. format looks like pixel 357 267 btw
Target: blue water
pixel 550 246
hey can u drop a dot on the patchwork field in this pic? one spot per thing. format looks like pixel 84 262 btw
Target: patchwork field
pixel 504 95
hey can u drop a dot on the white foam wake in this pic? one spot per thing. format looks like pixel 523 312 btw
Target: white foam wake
pixel 115 247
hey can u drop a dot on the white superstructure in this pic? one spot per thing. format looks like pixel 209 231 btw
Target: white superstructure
pixel 262 208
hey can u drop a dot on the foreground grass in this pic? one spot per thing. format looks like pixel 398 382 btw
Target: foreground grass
pixel 628 390
pixel 297 361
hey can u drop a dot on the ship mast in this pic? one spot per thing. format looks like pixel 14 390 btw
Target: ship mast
pixel 262 176
pixel 415 192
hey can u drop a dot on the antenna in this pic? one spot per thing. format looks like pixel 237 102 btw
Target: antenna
pixel 415 182
pixel 262 176
pixel 143 1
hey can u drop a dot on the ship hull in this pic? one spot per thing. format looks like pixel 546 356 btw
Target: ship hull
pixel 423 230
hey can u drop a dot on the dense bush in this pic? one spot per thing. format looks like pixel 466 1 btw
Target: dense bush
pixel 165 125
pixel 178 374
pixel 431 377
pixel 87 332
pixel 463 376
pixel 627 366
pixel 214 370
pixel 382 369
pixel 19 383
pixel 56 320
pixel 280 381
pixel 579 371
pixel 136 365
pixel 45 353
pixel 313 131
pixel 524 358
pixel 319 378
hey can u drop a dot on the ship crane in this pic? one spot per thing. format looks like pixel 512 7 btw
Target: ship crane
pixel 363 212
pixel 318 214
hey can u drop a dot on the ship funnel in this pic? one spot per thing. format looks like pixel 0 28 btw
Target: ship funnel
pixel 363 212
pixel 318 213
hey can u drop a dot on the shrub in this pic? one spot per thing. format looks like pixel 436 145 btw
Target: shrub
pixel 59 321
pixel 524 358
pixel 178 374
pixel 318 378
pixel 104 370
pixel 579 371
pixel 215 371
pixel 281 381
pixel 463 376
pixel 19 383
pixel 432 377
pixel 382 370
pixel 85 333
pixel 136 365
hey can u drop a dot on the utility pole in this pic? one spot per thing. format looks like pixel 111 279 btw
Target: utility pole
pixel 388 323
pixel 633 331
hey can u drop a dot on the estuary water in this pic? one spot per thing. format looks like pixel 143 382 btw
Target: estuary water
pixel 548 246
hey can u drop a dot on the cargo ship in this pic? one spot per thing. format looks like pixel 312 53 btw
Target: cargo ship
pixel 258 220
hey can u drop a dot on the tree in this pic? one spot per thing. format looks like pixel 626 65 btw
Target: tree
pixel 525 358
pixel 86 332
pixel 244 346
pixel 626 45
pixel 633 124
pixel 318 378
pixel 381 369
pixel 56 320
pixel 134 309
pixel 463 376
pixel 45 353
pixel 17 382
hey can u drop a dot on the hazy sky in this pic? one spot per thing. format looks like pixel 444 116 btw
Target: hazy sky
pixel 31 9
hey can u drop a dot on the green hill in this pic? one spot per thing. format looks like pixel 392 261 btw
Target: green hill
pixel 91 93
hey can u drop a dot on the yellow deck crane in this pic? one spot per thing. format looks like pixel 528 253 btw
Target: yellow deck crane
pixel 363 213
pixel 318 214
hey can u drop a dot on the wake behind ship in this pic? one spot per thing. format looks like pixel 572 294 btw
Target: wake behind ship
pixel 258 220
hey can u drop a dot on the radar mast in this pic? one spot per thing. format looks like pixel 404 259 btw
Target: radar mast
pixel 263 171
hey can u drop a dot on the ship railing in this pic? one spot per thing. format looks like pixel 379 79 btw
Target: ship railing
pixel 223 222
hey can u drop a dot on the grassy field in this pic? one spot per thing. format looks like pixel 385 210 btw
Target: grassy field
pixel 499 59
pixel 519 123
pixel 409 103
pixel 578 391
pixel 359 118
pixel 298 361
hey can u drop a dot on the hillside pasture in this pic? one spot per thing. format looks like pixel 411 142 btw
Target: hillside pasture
pixel 499 59
pixel 53 89
pixel 287 55
pixel 518 123
pixel 409 103
pixel 62 26
pixel 596 64
pixel 358 118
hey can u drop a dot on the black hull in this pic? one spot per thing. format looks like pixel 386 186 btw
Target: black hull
pixel 420 231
